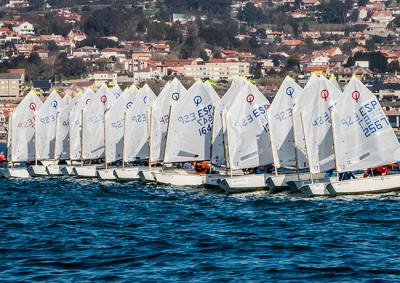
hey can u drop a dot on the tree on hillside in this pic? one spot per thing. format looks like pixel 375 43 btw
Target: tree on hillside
pixel 293 62
pixel 377 61
pixel 100 43
pixel 112 21
pixel 215 7
pixel 335 11
pixel 251 14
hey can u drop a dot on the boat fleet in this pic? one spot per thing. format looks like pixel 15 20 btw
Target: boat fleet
pixel 129 135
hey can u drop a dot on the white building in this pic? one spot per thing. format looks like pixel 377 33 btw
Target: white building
pixel 218 70
pixel 17 4
pixel 25 29
pixel 100 78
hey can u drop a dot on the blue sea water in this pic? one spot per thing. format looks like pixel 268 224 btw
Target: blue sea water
pixel 70 230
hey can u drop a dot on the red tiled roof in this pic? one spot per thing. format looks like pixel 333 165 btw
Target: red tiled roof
pixel 293 42
pixel 313 68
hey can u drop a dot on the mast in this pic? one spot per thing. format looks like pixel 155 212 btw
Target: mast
pixel 55 135
pixel 69 137
pixel 225 142
pixel 274 154
pixel 306 150
pixel 82 160
pixel 296 156
pixel 123 142
pixel 105 141
pixel 212 134
pixel 166 137
pixel 149 129
pixel 333 146
pixel 9 140
pixel 36 147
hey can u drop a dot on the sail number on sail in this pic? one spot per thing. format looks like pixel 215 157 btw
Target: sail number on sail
pixel 48 119
pixel 257 113
pixel 203 117
pixel 284 115
pixel 29 123
pixel 324 118
pixel 370 118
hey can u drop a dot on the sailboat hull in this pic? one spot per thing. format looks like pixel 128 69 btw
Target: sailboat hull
pixel 127 174
pixel 245 183
pixel 55 170
pixel 371 185
pixel 212 180
pixel 37 171
pixel 315 189
pixel 179 178
pixel 146 175
pixel 279 183
pixel 85 171
pixel 106 175
pixel 68 170
pixel 15 172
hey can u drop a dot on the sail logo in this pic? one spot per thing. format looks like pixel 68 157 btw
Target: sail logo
pixel 145 99
pixel 250 99
pixel 129 105
pixel 103 99
pixel 290 91
pixel 32 106
pixel 54 104
pixel 87 101
pixel 324 94
pixel 356 95
pixel 175 96
pixel 197 100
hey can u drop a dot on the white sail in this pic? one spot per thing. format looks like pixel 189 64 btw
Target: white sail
pixel 116 93
pixel 363 135
pixel 248 139
pixel 93 123
pixel 136 130
pixel 61 148
pixel 190 125
pixel 75 124
pixel 317 103
pixel 298 131
pixel 334 81
pixel 45 127
pixel 218 155
pixel 23 128
pixel 67 99
pixel 281 123
pixel 114 127
pixel 160 116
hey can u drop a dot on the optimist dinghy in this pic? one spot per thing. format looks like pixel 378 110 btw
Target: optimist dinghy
pixel 314 110
pixel 135 141
pixel 363 138
pixel 76 133
pixel 114 127
pixel 62 137
pixel 21 136
pixel 93 129
pixel 45 134
pixel 246 138
pixel 287 144
pixel 189 134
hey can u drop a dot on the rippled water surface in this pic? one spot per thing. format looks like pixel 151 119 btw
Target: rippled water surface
pixel 68 230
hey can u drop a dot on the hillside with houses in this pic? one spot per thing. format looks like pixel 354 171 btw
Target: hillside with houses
pixel 72 44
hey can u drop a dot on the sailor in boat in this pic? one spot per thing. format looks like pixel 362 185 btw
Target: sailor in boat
pixel 187 166
pixel 201 167
pixel 346 176
pixel 378 171
pixel 267 169
pixel 2 158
